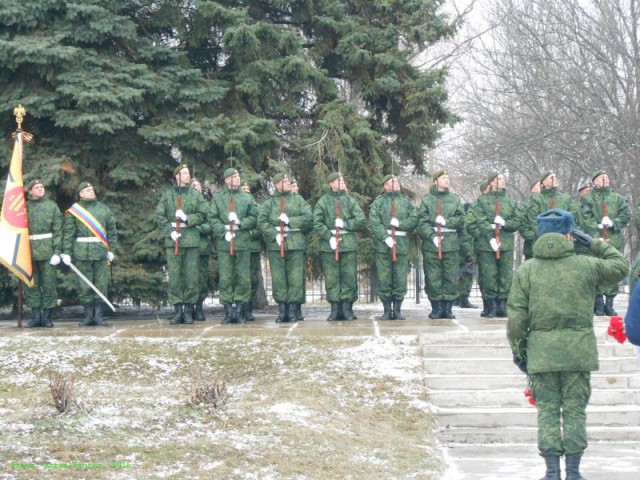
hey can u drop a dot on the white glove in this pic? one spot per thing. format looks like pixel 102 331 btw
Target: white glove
pixel 494 244
pixel 600 227
pixel 175 235
pixel 394 222
pixel 227 227
pixel 435 242
pixel 110 256
pixel 390 242
pixel 66 259
pixel 339 223
pixel 284 218
pixel 181 215
pixel 440 220
pixel 606 221
pixel 229 236
pixel 279 238
pixel 499 221
pixel 55 260
pixel 333 242
pixel 233 218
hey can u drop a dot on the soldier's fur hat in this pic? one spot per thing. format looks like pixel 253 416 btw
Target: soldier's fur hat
pixel 229 172
pixel 597 174
pixel 438 174
pixel 555 221
pixel 176 170
pixel 333 176
pixel 82 186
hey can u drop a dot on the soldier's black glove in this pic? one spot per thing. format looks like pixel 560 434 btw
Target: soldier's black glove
pixel 583 238
pixel 520 362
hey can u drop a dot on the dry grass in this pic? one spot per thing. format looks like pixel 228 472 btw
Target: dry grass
pixel 208 389
pixel 62 388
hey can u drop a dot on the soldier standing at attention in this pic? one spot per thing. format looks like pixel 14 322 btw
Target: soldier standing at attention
pixel 484 189
pixel 255 248
pixel 284 219
pixel 204 250
pixel 89 238
pixel 233 216
pixel 440 220
pixel 526 231
pixel 179 211
pixel 465 273
pixel 45 235
pixel 605 214
pixel 550 331
pixel 337 218
pixel 582 192
pixel 495 219
pixel 392 218
pixel 299 316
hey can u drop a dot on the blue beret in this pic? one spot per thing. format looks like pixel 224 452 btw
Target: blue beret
pixel 555 221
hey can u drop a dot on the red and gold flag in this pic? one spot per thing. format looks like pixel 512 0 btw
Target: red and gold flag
pixel 15 250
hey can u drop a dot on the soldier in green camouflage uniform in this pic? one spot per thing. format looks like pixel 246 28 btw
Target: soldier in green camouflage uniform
pixel 206 244
pixel 299 316
pixel 233 216
pixel 255 247
pixel 392 218
pixel 465 273
pixel 493 223
pixel 527 232
pixel 184 207
pixel 440 221
pixel 484 189
pixel 583 190
pixel 607 226
pixel 45 236
pixel 337 218
pixel 550 331
pixel 90 254
pixel 283 219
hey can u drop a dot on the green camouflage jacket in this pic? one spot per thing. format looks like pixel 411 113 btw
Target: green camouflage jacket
pixel 380 215
pixel 550 305
pixel 617 210
pixel 324 217
pixel 74 229
pixel 542 202
pixel 247 211
pixel 44 218
pixel 193 205
pixel 300 221
pixel 481 217
pixel 255 237
pixel 452 211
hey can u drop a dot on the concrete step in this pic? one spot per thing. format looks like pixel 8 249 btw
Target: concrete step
pixel 514 397
pixel 530 434
pixel 492 382
pixel 499 418
pixel 504 351
pixel 483 366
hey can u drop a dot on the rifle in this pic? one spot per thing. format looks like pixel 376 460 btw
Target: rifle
pixel 281 226
pixel 497 229
pixel 232 207
pixel 393 229
pixel 439 229
pixel 176 248
pixel 605 233
pixel 338 209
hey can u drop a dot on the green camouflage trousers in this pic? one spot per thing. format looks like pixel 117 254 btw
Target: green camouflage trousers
pixel 392 276
pixel 561 395
pixel 441 280
pixel 340 278
pixel 44 292
pixel 184 285
pixel 495 275
pixel 287 276
pixel 255 274
pixel 465 283
pixel 203 277
pixel 97 271
pixel 235 273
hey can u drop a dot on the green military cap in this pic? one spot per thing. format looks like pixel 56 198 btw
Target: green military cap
pixel 229 172
pixel 597 174
pixel 534 183
pixel 388 177
pixel 333 176
pixel 584 185
pixel 293 181
pixel 176 170
pixel 279 177
pixel 492 176
pixel 82 186
pixel 33 183
pixel 484 185
pixel 545 174
pixel 438 174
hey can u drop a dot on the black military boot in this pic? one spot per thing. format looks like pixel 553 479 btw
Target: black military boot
pixel 335 312
pixel 36 318
pixel 397 312
pixel 553 467
pixel 485 307
pixel 598 306
pixel 248 312
pixel 573 467
pixel 386 314
pixel 46 318
pixel 608 306
pixel 299 316
pixel 198 312
pixel 188 313
pixel 447 313
pixel 347 310
pixel 88 316
pixel 240 313
pixel 282 313
pixel 99 317
pixel 178 315
pixel 465 303
pixel 228 313
pixel 492 308
pixel 501 307
pixel 291 312
pixel 436 309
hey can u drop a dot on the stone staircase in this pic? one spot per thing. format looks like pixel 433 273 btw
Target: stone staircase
pixel 477 394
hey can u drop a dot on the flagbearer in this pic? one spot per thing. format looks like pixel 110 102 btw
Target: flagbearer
pixel 45 237
pixel 89 239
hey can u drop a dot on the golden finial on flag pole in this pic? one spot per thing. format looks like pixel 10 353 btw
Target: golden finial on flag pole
pixel 19 112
